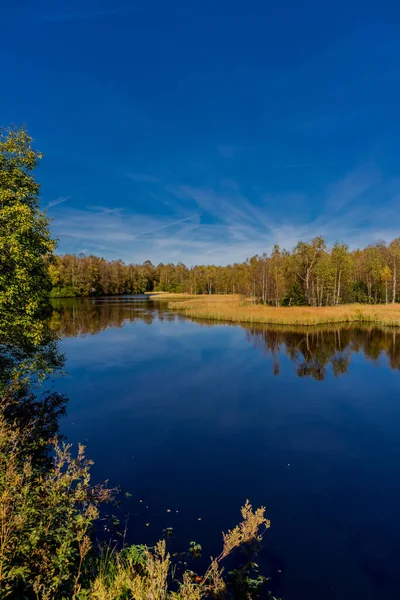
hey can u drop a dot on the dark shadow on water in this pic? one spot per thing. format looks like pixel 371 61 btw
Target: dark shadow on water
pixel 29 399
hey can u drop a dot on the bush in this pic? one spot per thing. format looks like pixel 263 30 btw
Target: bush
pixel 46 515
pixel 359 292
pixel 64 292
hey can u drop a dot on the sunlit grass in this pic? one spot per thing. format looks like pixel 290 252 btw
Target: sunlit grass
pixel 170 296
pixel 233 308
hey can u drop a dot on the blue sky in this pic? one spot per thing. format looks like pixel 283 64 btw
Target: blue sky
pixel 205 131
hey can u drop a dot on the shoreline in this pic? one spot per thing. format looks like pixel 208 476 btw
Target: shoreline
pixel 234 309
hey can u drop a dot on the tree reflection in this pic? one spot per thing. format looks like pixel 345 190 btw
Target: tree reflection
pixel 314 350
pixel 87 316
pixel 27 399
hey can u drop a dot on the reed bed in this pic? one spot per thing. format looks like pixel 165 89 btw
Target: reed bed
pixel 170 296
pixel 233 308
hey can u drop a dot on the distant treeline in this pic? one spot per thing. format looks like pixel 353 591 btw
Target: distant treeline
pixel 310 274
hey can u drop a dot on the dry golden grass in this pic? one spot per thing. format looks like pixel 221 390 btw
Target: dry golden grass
pixel 235 309
pixel 170 296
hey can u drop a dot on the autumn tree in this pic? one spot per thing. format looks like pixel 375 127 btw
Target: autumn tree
pixel 324 280
pixel 386 276
pixel 307 256
pixel 374 266
pixel 309 274
pixel 277 262
pixel 341 262
pixel 394 260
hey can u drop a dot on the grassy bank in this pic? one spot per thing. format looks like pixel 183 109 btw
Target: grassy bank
pixel 235 309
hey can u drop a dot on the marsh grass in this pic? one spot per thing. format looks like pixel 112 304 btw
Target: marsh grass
pixel 47 518
pixel 233 308
pixel 120 575
pixel 166 296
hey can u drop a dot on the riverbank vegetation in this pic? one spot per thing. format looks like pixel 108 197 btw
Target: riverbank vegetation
pixel 311 274
pixel 49 508
pixel 48 514
pixel 236 309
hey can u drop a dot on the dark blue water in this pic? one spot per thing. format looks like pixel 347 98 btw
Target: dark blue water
pixel 194 418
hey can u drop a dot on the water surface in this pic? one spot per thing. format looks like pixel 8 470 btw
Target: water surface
pixel 193 418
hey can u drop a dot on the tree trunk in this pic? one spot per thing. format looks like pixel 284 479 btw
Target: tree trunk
pixel 338 287
pixel 394 283
pixel 334 291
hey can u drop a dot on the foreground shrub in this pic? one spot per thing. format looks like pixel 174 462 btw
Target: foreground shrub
pixel 146 575
pixel 46 516
pixel 48 511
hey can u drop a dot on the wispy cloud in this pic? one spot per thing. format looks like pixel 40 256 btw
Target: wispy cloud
pixel 57 201
pixel 104 210
pixel 352 186
pixel 220 224
pixel 172 224
pixel 142 177
pixel 134 238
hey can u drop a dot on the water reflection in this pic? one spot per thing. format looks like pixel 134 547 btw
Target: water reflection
pixel 312 350
pixel 71 318
pixel 189 416
pixel 27 399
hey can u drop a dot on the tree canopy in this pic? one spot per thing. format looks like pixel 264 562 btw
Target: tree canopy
pixel 310 274
pixel 25 241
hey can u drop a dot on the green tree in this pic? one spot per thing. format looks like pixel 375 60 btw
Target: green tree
pixel 295 296
pixel 25 242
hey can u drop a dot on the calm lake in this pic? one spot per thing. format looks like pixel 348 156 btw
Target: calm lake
pixel 192 418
